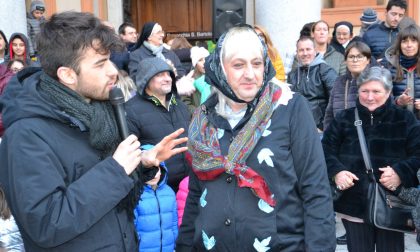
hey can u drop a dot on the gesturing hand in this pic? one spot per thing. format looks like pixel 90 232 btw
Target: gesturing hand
pixel 404 99
pixel 164 149
pixel 128 154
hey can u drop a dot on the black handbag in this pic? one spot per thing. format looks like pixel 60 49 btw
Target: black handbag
pixel 384 209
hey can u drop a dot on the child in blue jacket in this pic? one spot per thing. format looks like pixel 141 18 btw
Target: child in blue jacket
pixel 156 217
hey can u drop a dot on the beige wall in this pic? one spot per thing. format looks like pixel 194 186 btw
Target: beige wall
pixel 65 5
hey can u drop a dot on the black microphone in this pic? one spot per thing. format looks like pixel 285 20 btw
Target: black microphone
pixel 116 98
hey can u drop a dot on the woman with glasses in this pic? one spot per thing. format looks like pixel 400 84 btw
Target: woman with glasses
pixel 402 59
pixel 344 92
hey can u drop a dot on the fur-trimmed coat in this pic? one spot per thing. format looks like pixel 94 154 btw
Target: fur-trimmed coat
pixel 393 139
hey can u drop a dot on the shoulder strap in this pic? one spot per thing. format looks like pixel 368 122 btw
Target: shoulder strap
pixel 362 141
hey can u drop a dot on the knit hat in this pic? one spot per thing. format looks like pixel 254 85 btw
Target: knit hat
pixel 145 33
pixel 37 5
pixel 369 16
pixel 198 53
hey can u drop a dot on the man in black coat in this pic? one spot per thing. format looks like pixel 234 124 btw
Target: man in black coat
pixel 70 182
pixel 313 78
pixel 157 110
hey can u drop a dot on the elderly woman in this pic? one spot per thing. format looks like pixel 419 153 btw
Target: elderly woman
pixel 259 179
pixel 403 61
pixel 344 92
pixel 393 140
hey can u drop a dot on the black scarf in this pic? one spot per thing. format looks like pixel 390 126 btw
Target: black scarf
pixel 99 118
pixel 407 62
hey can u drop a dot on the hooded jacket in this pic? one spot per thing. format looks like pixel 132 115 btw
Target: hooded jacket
pixel 10 56
pixel 156 218
pixel 314 82
pixel 379 38
pixel 150 121
pixel 34 28
pixel 62 194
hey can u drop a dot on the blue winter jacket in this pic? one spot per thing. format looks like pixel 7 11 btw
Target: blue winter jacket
pixel 156 218
pixel 379 37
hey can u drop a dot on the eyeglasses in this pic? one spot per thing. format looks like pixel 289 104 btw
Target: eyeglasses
pixel 359 57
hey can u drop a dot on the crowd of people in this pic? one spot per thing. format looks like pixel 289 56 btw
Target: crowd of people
pixel 228 150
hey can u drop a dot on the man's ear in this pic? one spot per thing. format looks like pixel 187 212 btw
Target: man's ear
pixel 67 76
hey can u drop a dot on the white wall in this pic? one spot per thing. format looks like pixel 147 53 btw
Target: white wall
pixel 13 17
pixel 284 19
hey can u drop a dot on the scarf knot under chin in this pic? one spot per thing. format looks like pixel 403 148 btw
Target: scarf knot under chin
pixel 207 160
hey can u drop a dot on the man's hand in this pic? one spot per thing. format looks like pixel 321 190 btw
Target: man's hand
pixel 164 149
pixel 128 154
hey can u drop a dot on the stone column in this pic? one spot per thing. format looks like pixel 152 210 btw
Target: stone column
pixel 115 13
pixel 284 19
pixel 13 17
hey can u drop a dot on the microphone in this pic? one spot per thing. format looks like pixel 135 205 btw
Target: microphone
pixel 116 98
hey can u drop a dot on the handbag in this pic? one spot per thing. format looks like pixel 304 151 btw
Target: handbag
pixel 384 209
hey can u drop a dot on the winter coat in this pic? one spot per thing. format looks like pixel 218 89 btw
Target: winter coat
pixel 142 53
pixel 225 217
pixel 34 29
pixel 410 78
pixel 392 138
pixel 332 58
pixel 184 55
pixel 314 82
pixel 5 76
pixel 10 235
pixel 156 219
pixel 203 87
pixel 335 60
pixel 343 96
pixel 62 194
pixel 278 66
pixel 379 37
pixel 150 121
pixel 181 198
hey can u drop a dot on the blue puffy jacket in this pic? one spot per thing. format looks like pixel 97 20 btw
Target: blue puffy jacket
pixel 379 37
pixel 156 217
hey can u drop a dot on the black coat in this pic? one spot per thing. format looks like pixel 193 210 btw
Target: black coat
pixel 61 193
pixel 393 138
pixel 314 82
pixel 142 53
pixel 303 217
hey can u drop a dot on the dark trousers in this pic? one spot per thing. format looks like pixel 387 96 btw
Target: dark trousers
pixel 362 237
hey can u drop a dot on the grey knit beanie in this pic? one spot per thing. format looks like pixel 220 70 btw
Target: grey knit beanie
pixel 37 5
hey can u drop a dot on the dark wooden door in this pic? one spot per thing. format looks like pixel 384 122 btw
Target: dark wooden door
pixel 174 16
